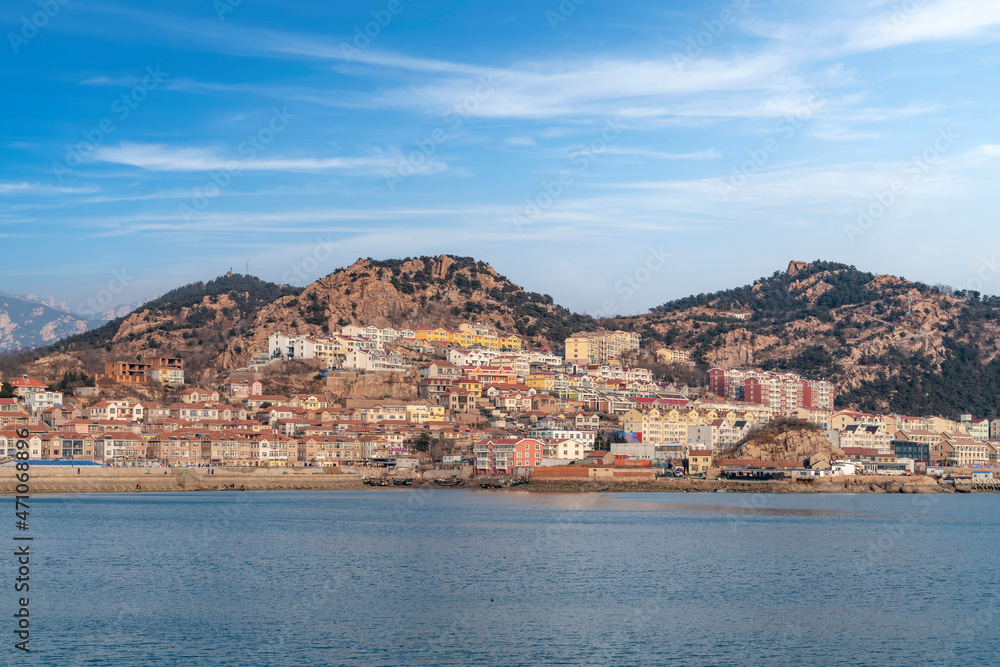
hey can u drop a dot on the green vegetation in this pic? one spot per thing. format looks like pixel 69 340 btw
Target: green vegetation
pixel 248 294
pixel 72 379
pixel 847 300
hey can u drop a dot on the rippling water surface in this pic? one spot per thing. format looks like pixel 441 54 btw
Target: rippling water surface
pixel 444 577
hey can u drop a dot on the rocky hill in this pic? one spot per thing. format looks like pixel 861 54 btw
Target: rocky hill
pixel 887 343
pixel 782 441
pixel 410 293
pixel 223 323
pixel 196 322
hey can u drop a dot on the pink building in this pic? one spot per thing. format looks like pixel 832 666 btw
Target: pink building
pixel 244 388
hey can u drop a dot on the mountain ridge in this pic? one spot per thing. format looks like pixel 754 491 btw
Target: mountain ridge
pixel 887 343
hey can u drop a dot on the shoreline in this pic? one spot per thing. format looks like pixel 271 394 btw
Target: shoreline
pixel 46 481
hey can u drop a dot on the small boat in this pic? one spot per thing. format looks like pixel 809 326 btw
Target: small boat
pixel 491 485
pixel 448 482
pixel 402 482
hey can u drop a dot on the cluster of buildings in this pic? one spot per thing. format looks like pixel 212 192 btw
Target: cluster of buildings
pixel 365 348
pixel 780 391
pixel 481 397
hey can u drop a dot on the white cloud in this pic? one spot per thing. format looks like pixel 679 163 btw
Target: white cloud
pixel 24 188
pixel 927 21
pixel 159 157
pixel 519 141
pixel 663 155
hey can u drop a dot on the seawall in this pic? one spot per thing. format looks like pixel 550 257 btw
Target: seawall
pixel 125 480
pixel 121 480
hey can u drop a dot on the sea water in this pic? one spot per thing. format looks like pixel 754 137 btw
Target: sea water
pixel 450 577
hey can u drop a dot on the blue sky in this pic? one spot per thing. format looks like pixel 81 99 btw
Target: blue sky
pixel 612 154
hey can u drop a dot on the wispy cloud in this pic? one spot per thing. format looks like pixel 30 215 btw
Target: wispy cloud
pixel 161 157
pixel 24 188
pixel 927 21
pixel 663 155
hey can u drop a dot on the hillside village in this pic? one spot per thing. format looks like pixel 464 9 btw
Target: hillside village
pixel 476 396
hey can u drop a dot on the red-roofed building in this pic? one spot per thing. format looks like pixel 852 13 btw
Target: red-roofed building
pixel 24 384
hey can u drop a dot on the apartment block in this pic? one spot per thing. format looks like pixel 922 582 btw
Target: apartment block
pixel 590 347
pixel 780 391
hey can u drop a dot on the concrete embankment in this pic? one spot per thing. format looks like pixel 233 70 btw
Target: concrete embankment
pixel 125 480
pixel 855 484
pixel 120 480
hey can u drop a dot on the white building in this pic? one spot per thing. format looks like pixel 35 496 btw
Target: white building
pixel 383 336
pixel 584 437
pixel 365 360
pixel 474 357
pixel 42 400
pixel 635 450
pixel 569 449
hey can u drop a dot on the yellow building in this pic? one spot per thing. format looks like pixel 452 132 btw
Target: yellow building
pixel 666 356
pixel 421 414
pixel 474 387
pixel 699 461
pixel 599 346
pixel 470 335
pixel 541 381
pixel 578 349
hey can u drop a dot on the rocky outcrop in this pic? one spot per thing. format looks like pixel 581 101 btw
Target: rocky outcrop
pixel 782 441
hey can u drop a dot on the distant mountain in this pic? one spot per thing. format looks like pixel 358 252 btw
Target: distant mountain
pixel 196 321
pixel 24 324
pixel 92 315
pixel 889 344
pixel 49 301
